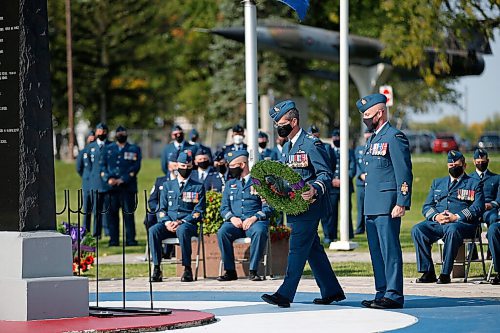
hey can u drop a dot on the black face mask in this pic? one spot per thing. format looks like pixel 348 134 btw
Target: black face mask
pixel 370 124
pixel 179 138
pixel 483 166
pixel 102 137
pixel 336 143
pixel 121 138
pixel 456 171
pixel 262 145
pixel 284 130
pixel 221 169
pixel 184 172
pixel 235 172
pixel 203 165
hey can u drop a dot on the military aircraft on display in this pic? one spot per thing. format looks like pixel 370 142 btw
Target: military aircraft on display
pixel 307 42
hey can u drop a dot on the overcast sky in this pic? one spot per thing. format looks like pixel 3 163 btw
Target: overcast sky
pixel 483 92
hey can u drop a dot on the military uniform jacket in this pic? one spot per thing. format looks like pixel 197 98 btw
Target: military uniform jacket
pixel 122 164
pixel 336 169
pixel 359 152
pixel 214 181
pixel 97 156
pixel 187 205
pixel 268 154
pixel 388 171
pixel 332 157
pixel 154 195
pixel 465 199
pixel 491 183
pixel 171 149
pixel 309 159
pixel 242 202
pixel 84 167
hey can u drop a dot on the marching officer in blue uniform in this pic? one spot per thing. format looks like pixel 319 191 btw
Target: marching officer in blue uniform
pixel 100 188
pixel 244 215
pixel 122 163
pixel 452 212
pixel 494 243
pixel 174 148
pixel 359 153
pixel 306 155
pixel 388 186
pixel 238 144
pixel 194 138
pixel 330 224
pixel 264 152
pixel 182 205
pixel 206 174
pixel 490 181
pixel 84 168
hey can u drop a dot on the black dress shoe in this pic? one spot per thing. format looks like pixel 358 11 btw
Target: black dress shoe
pixel 386 303
pixel 187 276
pixel 157 275
pixel 229 275
pixel 253 276
pixel 276 299
pixel 427 277
pixel 496 280
pixel 444 279
pixel 330 299
pixel 368 303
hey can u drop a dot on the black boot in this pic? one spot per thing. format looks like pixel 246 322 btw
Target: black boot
pixel 444 279
pixel 230 275
pixel 187 276
pixel 157 274
pixel 253 276
pixel 427 277
pixel 496 280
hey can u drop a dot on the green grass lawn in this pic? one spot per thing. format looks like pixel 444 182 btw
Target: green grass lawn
pixel 425 168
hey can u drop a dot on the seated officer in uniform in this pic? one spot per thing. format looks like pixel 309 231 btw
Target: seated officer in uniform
pixel 244 215
pixel 206 174
pixel 182 205
pixel 452 211
pixel 264 152
pixel 490 181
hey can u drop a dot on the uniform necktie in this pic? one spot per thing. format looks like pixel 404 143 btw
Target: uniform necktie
pixel 453 183
pixel 481 175
pixel 242 182
pixel 289 147
pixel 182 186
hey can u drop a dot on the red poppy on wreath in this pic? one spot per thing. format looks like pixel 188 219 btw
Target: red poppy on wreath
pixel 89 260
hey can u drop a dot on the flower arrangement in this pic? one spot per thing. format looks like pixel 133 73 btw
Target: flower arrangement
pixel 84 261
pixel 212 219
pixel 279 232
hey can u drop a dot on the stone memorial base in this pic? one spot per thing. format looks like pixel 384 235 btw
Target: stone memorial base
pixel 36 277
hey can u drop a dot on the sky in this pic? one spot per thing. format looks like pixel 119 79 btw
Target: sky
pixel 483 92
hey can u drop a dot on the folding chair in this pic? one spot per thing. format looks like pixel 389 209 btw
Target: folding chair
pixel 266 259
pixel 469 244
pixel 200 248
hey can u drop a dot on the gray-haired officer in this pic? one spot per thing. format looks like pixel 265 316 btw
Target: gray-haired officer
pixel 452 211
pixel 306 155
pixel 182 205
pixel 490 181
pixel 388 186
pixel 121 165
pixel 244 215
pixel 84 168
pixel 359 153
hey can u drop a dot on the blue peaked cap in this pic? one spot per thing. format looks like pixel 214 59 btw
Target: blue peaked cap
pixel 367 102
pixel 235 154
pixel 480 153
pixel 454 156
pixel 184 158
pixel 102 126
pixel 279 110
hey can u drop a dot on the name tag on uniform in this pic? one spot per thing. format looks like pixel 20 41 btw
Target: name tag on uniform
pixel 190 197
pixel 298 160
pixel 130 156
pixel 379 149
pixel 467 195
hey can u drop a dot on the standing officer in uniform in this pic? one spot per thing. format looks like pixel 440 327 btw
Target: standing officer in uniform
pixel 175 147
pixel 84 168
pixel 359 152
pixel 452 211
pixel 194 138
pixel 304 240
pixel 388 186
pixel 100 188
pixel 238 144
pixel 206 174
pixel 330 225
pixel 264 152
pixel 121 165
pixel 182 205
pixel 490 181
pixel 244 215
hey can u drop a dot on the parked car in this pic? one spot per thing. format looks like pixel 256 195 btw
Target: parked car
pixel 489 141
pixel 420 141
pixel 444 142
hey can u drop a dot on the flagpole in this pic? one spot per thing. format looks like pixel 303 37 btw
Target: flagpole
pixel 251 78
pixel 344 243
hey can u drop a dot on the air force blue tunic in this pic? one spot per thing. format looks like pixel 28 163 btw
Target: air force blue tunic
pixel 308 158
pixel 84 169
pixel 388 183
pixel 464 199
pixel 491 183
pixel 359 153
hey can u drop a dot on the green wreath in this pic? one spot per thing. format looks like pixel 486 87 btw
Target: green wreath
pixel 280 186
